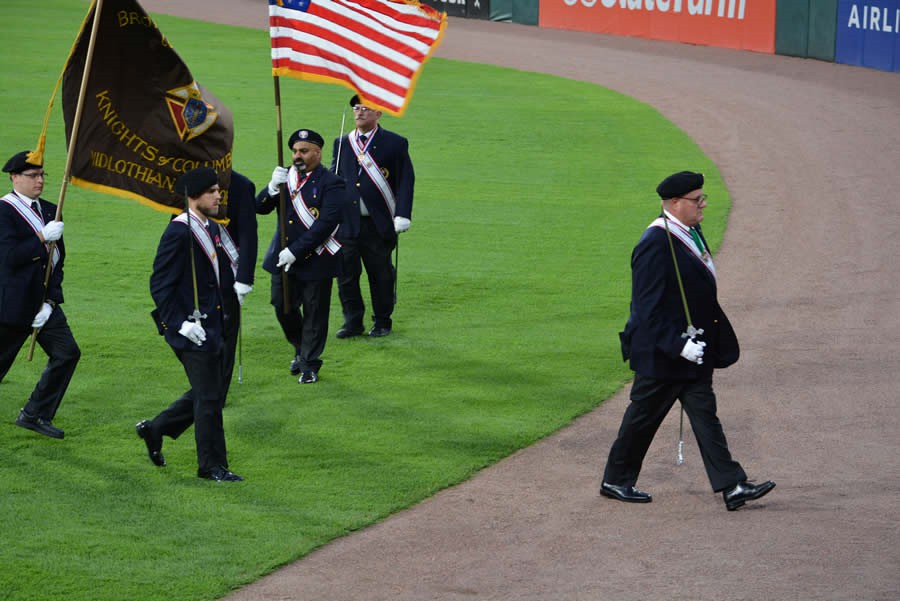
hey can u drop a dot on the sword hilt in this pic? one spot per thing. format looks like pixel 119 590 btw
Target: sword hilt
pixel 692 331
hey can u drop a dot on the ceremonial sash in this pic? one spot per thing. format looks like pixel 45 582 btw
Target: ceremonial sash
pixel 203 239
pixel 368 164
pixel 683 235
pixel 230 248
pixel 305 214
pixel 34 221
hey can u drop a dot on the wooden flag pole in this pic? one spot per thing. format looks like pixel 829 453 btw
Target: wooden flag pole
pixel 282 197
pixel 98 6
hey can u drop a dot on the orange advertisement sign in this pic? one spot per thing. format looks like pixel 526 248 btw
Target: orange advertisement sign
pixel 740 24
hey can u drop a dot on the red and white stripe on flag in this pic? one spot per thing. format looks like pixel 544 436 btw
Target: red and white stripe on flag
pixel 375 47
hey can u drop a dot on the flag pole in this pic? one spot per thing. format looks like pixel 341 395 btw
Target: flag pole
pixel 98 6
pixel 282 197
pixel 337 158
pixel 240 343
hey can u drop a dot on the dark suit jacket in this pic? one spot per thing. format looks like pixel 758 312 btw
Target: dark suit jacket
pixel 172 288
pixel 242 225
pixel 23 263
pixel 391 152
pixel 325 192
pixel 652 338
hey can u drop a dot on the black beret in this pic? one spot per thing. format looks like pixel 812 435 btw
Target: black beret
pixel 355 100
pixel 679 184
pixel 196 181
pixel 18 163
pixel 306 135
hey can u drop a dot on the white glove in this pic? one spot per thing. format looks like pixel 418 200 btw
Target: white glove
pixel 44 314
pixel 279 176
pixel 286 258
pixel 401 224
pixel 193 331
pixel 52 231
pixel 693 351
pixel 242 290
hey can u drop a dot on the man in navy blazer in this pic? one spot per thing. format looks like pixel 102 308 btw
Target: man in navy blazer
pixel 28 234
pixel 195 256
pixel 672 354
pixel 380 176
pixel 316 202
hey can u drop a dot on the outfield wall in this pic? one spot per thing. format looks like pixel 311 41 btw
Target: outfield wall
pixel 855 32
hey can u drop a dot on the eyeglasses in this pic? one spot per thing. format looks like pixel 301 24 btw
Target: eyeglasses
pixel 42 174
pixel 700 199
pixel 361 109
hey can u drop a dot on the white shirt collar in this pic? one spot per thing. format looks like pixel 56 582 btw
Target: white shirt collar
pixel 675 219
pixel 26 199
pixel 203 219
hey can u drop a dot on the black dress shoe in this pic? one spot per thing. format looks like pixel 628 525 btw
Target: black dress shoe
pixel 219 474
pixel 377 332
pixel 296 366
pixel 629 494
pixel 745 491
pixel 38 424
pixel 144 429
pixel 349 332
pixel 308 377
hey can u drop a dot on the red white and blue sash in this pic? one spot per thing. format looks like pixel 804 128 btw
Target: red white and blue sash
pixel 201 235
pixel 368 164
pixel 305 214
pixel 682 233
pixel 34 220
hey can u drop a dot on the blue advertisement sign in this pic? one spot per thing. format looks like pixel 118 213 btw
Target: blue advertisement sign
pixel 868 34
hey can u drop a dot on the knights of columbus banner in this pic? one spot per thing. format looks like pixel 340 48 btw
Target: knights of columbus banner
pixel 145 120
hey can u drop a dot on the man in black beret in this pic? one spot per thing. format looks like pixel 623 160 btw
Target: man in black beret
pixel 30 239
pixel 673 355
pixel 194 261
pixel 379 172
pixel 309 260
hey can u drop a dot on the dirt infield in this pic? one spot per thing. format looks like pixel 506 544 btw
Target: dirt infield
pixel 811 154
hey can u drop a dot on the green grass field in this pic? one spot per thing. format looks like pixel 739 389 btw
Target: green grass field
pixel 514 281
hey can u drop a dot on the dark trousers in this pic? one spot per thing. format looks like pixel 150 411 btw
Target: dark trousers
pixel 305 324
pixel 200 406
pixel 651 400
pixel 57 341
pixel 230 333
pixel 373 251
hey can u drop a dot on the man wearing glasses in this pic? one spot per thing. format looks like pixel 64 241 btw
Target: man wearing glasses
pixel 376 165
pixel 30 239
pixel 676 335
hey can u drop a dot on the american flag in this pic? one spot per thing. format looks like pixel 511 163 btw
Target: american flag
pixel 375 47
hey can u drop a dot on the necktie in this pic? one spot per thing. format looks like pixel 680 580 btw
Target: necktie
pixel 363 209
pixel 36 207
pixel 697 240
pixel 362 143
